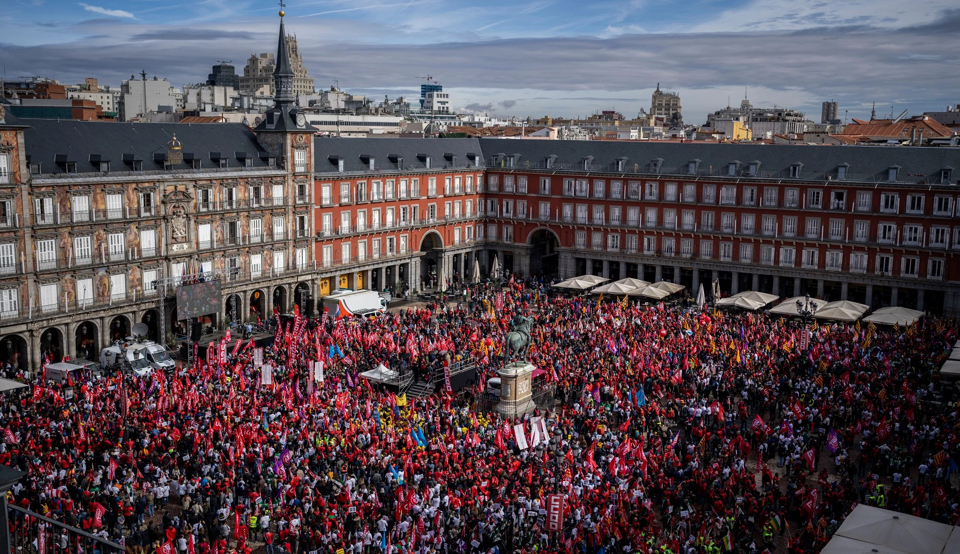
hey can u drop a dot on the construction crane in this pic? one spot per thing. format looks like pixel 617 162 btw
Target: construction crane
pixel 430 79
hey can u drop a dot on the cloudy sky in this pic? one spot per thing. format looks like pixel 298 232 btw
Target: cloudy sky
pixel 524 57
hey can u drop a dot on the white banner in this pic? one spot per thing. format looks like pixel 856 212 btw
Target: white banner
pixel 266 375
pixel 521 438
pixel 543 430
pixel 257 357
pixel 536 432
pixel 318 371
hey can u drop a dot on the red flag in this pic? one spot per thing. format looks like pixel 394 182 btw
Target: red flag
pixel 883 430
pixel 98 511
pixel 757 423
pixel 166 548
pixel 811 458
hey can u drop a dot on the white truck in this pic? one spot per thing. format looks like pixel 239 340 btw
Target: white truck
pixel 354 302
pixel 141 357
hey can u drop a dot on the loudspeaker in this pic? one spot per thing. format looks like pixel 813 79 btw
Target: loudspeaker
pixel 183 350
pixel 195 331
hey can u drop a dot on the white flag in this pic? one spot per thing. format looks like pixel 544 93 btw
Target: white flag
pixel 318 371
pixel 543 430
pixel 266 375
pixel 521 438
pixel 536 432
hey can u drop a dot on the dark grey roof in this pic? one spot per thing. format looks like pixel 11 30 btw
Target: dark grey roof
pixel 865 163
pixel 394 154
pixel 89 142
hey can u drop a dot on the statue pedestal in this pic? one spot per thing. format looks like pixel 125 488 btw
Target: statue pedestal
pixel 516 396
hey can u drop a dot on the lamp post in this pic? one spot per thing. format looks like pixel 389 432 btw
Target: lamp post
pixel 806 308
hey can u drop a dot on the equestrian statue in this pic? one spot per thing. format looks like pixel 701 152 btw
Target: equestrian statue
pixel 517 341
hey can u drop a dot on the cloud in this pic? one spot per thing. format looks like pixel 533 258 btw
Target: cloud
pixel 193 34
pixel 507 104
pixel 477 107
pixel 105 11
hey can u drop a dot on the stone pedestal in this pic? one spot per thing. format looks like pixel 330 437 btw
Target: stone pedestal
pixel 516 396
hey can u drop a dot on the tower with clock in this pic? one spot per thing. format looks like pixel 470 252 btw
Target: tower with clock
pixel 284 127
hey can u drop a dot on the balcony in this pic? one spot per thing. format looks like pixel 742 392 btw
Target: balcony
pixel 81 217
pixel 8 269
pixel 116 255
pixel 204 244
pixel 84 260
pixel 256 238
pixel 44 264
pixel 303 233
pixel 44 219
pixel 148 252
pixel 148 211
pixel 280 234
pixel 858 268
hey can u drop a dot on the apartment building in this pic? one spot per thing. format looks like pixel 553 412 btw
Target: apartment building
pixel 874 225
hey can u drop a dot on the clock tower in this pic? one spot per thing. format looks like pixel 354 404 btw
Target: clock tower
pixel 284 125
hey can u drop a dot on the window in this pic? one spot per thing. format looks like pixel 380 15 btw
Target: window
pixel 726 251
pixel 456 235
pixel 301 258
pixel 812 228
pixel 583 188
pixel 632 243
pixel 149 282
pixel 770 197
pixel 468 209
pixel 493 181
pixel 415 187
pixel 599 187
pixel 834 260
pixel 361 220
pixel 669 246
pixel 889 203
pixel 81 208
pixel 886 233
pixel 911 235
pixel 689 193
pixel 688 220
pixel 728 195
pixel 48 297
pixel 303 193
pixel 651 217
pixel 568 187
pixel 544 211
pixel 375 249
pixel 118 286
pixel 709 194
pixel 790 226
pixel 728 223
pixel 82 251
pixel 836 229
pixel 769 225
pixel 432 212
pixel 4 169
pixel 376 191
pixel 147 205
pixel 580 239
pixel 909 266
pixel 115 204
pixel 791 198
pixel 276 193
pixel 746 253
pixel 8 258
pixel 651 190
pixel 893 173
pixel 706 249
pixel 404 186
pixel 616 190
pixel 280 227
pixel 650 245
pixel 814 198
pixel 568 213
pixel 810 258
pixel 670 218
pixel 748 224
pixel 46 254
pixel 256 196
pixel 344 193
pixel 633 217
pixel 731 170
pixel 842 172
pixel 582 213
pixel 326 255
pixel 864 201
pixel 938 237
pixel 787 255
pixel 767 254
pixel 116 245
pixel 686 248
pixel 375 218
pixel 935 268
pixel 458 185
pixel 345 252
pixel 388 220
pixel 915 203
pixel 753 169
pixel 749 196
pixel 256 230
pixel 508 233
pixel 858 262
pixel 615 212
pixel 300 161
pixel 670 192
pixel 325 195
pixel 468 233
pixel 633 190
pixel 43 211
pixel 942 205
pixel 706 221
pixel 544 185
pixel 521 209
pixel 884 264
pixel 279 261
pixel 795 170
pixel 838 200
pixel 861 231
pixel 203 236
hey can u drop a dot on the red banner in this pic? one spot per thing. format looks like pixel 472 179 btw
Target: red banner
pixel 804 339
pixel 446 376
pixel 555 512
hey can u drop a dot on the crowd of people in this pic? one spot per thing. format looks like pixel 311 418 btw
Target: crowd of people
pixel 672 430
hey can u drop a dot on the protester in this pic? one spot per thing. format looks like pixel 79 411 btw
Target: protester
pixel 672 430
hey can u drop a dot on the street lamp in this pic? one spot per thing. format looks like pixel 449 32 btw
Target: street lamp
pixel 806 308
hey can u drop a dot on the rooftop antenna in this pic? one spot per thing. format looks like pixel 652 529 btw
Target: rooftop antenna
pixel 873 111
pixel 143 73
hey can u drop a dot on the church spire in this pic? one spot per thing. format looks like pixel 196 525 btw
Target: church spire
pixel 283 73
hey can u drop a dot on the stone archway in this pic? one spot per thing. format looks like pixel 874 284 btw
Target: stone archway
pixel 233 308
pixel 13 350
pixel 544 252
pixel 119 328
pixel 304 298
pixel 280 299
pixel 51 345
pixel 87 341
pixel 430 264
pixel 257 304
pixel 151 318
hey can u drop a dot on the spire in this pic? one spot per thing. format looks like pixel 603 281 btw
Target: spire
pixel 282 73
pixel 873 112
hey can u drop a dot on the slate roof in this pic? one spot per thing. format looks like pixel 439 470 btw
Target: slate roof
pixel 87 143
pixel 865 163
pixel 394 154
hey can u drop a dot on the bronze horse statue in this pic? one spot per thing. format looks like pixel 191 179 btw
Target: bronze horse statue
pixel 517 341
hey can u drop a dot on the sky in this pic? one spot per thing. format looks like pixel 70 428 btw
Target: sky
pixel 563 58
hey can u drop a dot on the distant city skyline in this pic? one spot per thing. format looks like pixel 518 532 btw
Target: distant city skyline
pixel 561 58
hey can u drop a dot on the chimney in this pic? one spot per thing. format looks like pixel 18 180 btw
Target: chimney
pixel 913 136
pixel 920 138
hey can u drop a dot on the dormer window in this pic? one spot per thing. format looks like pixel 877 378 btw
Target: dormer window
pixel 133 162
pixel 192 160
pixel 842 171
pixel 451 159
pixel 66 164
pixel 795 170
pixel 427 164
pixel 244 159
pixel 621 164
pixel 368 161
pixel 656 164
pixel 218 159
pixel 692 167
pixel 585 162
pixel 753 169
pixel 474 159
pixel 732 168
pixel 398 160
pixel 337 161
pixel 102 164
pixel 946 175
pixel 549 161
pixel 893 172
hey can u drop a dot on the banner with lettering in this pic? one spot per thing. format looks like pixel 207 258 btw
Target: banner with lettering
pixel 555 512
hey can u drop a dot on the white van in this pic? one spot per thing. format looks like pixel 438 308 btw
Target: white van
pixel 138 363
pixel 62 372
pixel 354 302
pixel 493 386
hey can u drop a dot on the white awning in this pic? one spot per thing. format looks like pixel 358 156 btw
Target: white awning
pixel 894 315
pixel 843 310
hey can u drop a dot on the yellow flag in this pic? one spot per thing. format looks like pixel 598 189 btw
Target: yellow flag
pixel 857 326
pixel 623 303
pixel 738 357
pixel 402 400
pixel 599 300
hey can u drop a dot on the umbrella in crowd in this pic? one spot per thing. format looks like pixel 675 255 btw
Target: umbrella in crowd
pixel 842 310
pixel 894 315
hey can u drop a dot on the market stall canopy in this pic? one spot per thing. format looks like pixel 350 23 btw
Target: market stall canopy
pixel 896 531
pixel 649 292
pixel 668 286
pixel 843 545
pixel 380 374
pixel 950 368
pixel 894 315
pixel 789 306
pixel 748 300
pixel 10 384
pixel 842 310
pixel 596 280
pixel 616 288
pixel 575 284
